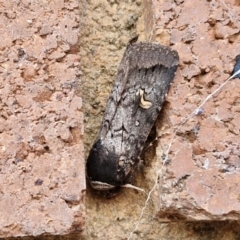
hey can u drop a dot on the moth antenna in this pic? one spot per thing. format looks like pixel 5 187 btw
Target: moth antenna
pixel 134 187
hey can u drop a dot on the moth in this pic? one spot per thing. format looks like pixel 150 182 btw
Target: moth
pixel 143 80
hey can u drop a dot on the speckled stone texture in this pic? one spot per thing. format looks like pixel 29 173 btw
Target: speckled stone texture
pixel 106 28
pixel 201 180
pixel 41 122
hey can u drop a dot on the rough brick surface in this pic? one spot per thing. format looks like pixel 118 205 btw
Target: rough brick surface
pixel 106 28
pixel 201 180
pixel 41 122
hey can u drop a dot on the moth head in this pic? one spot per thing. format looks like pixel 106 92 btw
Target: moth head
pixel 103 169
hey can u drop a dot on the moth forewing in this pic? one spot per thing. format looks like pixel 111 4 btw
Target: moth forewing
pixel 142 83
